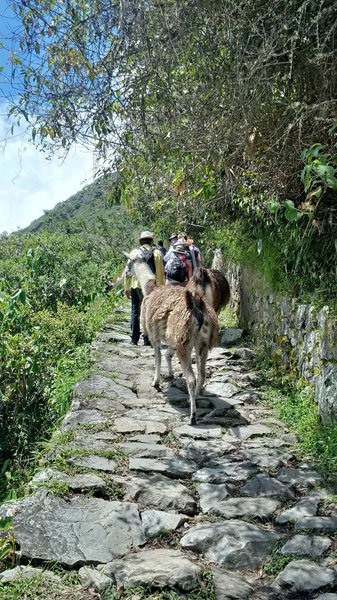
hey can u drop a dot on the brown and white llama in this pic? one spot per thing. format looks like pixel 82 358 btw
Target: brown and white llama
pixel 182 319
pixel 213 284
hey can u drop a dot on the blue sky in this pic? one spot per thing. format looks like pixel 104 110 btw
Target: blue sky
pixel 30 183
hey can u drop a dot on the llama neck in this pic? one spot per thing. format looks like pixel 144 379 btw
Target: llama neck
pixel 145 276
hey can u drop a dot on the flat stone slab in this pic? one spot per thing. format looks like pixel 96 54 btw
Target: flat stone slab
pixel 24 573
pixel 99 385
pixel 244 507
pixel 82 417
pixel 304 508
pixel 102 440
pixel 227 472
pixel 146 450
pixel 230 586
pixel 312 545
pixel 317 523
pixel 77 531
pixel 157 521
pixel 327 597
pixel 105 405
pixel 84 482
pixel 230 335
pixel 157 491
pixel 92 578
pixel 203 432
pixel 99 463
pixel 248 431
pixel 264 485
pixel 202 451
pixel 299 477
pixel 267 457
pixel 224 390
pixel 156 568
pixel 171 467
pixel 128 425
pixel 211 494
pixel 235 543
pixel 305 576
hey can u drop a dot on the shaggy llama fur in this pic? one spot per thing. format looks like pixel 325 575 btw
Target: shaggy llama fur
pixel 182 319
pixel 213 284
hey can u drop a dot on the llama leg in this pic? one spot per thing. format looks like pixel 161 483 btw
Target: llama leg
pixel 169 355
pixel 157 358
pixel 201 354
pixel 185 359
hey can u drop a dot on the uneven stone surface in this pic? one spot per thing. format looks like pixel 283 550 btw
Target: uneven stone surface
pixel 313 546
pixel 229 586
pixel 244 507
pixel 82 530
pixel 234 543
pixel 305 576
pixel 148 500
pixel 155 567
pixel 156 521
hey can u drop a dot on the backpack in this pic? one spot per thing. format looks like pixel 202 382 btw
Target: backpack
pixel 176 268
pixel 148 257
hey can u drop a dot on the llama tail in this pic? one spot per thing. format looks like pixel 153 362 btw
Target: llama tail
pixel 195 304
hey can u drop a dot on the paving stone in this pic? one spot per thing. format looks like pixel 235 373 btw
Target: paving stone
pixel 84 482
pixel 78 530
pixel 206 450
pixel 327 597
pixel 267 457
pixel 264 485
pixel 227 472
pixel 230 335
pixel 234 543
pixel 145 438
pixel 139 450
pixel 211 494
pixel 172 467
pixel 105 405
pixel 229 586
pixel 98 385
pixel 93 578
pixel 244 507
pixel 156 521
pixel 317 523
pixel 24 573
pixel 249 431
pixel 99 463
pixel 102 440
pixel 304 508
pixel 304 576
pixel 299 477
pixel 224 390
pixel 199 431
pixel 82 417
pixel 313 545
pixel 127 425
pixel 157 491
pixel 156 568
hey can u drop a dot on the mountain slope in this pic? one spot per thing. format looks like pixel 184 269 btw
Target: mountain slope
pixel 83 211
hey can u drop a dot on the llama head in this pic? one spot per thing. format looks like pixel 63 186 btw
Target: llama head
pixel 138 266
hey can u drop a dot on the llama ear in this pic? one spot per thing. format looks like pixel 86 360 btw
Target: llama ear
pixel 127 255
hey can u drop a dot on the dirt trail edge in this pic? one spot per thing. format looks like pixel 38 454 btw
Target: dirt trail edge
pixel 130 495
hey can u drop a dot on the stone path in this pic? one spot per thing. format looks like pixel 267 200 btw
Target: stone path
pixel 131 495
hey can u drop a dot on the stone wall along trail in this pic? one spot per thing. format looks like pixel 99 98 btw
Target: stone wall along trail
pixel 131 495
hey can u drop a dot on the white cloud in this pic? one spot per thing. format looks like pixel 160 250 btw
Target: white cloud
pixel 30 184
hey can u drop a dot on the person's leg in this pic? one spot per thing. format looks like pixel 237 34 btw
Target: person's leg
pixel 135 311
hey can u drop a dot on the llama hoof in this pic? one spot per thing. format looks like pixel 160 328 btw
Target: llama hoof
pixel 193 420
pixel 168 377
pixel 156 385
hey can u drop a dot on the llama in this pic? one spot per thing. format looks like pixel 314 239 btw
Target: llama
pixel 213 284
pixel 182 319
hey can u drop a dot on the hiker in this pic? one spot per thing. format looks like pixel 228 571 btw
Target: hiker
pixel 161 248
pixel 153 257
pixel 178 270
pixel 173 240
pixel 195 254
